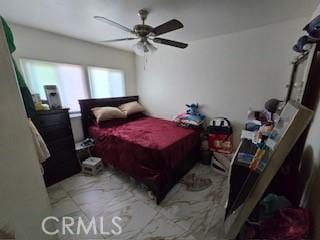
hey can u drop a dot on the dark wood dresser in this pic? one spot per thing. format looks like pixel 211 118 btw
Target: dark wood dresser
pixel 55 128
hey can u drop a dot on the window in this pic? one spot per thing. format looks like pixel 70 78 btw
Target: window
pixel 106 82
pixel 71 81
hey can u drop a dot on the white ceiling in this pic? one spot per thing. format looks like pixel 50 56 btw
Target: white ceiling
pixel 201 18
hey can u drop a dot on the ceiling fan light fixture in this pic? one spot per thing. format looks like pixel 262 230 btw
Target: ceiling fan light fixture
pixel 151 47
pixel 139 48
pixel 144 47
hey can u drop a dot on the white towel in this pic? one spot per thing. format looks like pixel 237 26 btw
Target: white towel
pixel 41 147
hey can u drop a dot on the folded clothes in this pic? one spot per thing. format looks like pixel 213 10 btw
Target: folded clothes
pixel 303 44
pixel 313 28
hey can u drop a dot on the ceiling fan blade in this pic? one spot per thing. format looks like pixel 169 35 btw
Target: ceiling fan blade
pixel 112 23
pixel 170 42
pixel 118 40
pixel 169 26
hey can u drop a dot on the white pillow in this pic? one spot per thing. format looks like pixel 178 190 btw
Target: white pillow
pixel 131 108
pixel 107 113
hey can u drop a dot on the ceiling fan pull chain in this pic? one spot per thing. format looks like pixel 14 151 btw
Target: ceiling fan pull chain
pixel 145 61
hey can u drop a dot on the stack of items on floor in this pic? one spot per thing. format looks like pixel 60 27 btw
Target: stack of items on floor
pixel 275 218
pixel 91 165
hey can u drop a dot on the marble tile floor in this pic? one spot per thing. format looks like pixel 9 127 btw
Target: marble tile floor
pixel 181 215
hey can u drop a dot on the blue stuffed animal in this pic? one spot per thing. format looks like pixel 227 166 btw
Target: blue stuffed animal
pixel 193 110
pixel 192 117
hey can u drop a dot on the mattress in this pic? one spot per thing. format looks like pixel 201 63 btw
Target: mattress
pixel 145 147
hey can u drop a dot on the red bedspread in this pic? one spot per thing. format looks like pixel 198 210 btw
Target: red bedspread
pixel 147 148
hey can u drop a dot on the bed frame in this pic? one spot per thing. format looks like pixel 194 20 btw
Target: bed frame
pixel 88 119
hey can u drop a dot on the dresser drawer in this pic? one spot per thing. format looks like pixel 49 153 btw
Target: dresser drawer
pixel 67 157
pixel 50 120
pixel 55 171
pixel 66 143
pixel 53 133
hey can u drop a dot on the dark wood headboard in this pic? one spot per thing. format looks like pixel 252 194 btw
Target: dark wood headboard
pixel 87 116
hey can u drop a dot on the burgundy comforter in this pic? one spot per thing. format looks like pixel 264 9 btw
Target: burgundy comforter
pixel 146 148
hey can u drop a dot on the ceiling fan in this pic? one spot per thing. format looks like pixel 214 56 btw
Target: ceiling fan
pixel 145 33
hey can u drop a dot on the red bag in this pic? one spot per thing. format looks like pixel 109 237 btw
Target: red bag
pixel 288 224
pixel 220 136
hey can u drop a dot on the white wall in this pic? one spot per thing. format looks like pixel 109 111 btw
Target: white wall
pixel 316 12
pixel 226 74
pixel 23 196
pixel 37 44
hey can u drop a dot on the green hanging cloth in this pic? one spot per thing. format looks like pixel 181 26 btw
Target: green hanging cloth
pixel 25 93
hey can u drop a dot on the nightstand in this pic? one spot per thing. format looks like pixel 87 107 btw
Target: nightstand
pixel 83 151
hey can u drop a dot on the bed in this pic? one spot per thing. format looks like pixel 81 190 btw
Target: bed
pixel 152 150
